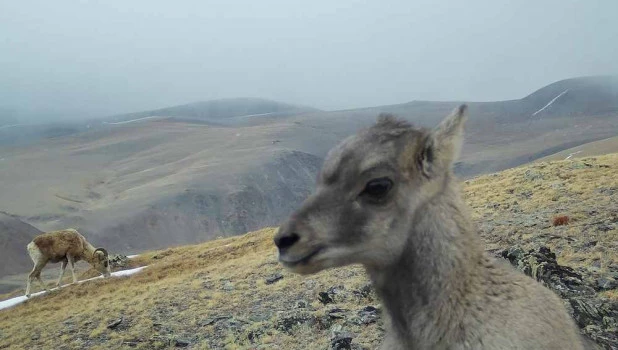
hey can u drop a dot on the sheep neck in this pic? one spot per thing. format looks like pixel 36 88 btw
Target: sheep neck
pixel 425 290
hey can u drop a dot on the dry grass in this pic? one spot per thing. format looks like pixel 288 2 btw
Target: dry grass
pixel 560 220
pixel 181 288
pixel 517 207
pixel 185 287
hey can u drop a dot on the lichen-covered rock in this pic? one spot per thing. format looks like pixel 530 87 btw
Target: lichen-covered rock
pixel 287 321
pixel 118 261
pixel 597 317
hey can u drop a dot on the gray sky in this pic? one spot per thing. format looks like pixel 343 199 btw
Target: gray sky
pixel 114 56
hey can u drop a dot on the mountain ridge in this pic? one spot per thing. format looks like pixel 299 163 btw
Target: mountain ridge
pixel 159 182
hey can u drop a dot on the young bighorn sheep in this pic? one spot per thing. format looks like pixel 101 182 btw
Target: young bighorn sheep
pixel 386 198
pixel 66 246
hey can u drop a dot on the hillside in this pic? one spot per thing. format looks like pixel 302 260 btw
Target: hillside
pixel 232 294
pixel 22 130
pixel 151 183
pixel 224 111
pixel 596 148
pixel 16 235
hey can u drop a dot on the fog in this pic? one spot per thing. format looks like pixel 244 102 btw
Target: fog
pixel 92 58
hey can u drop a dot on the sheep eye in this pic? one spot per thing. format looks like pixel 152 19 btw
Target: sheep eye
pixel 377 188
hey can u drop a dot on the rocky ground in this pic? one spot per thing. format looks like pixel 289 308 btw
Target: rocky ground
pixel 232 293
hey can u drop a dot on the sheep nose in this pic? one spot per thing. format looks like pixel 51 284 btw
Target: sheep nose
pixel 286 240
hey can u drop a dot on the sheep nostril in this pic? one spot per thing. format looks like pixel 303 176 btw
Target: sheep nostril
pixel 287 241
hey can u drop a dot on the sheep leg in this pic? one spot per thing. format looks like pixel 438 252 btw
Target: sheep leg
pixel 42 283
pixel 28 285
pixel 63 267
pixel 35 273
pixel 72 262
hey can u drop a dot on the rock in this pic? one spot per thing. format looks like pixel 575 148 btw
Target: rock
pixel 302 304
pixel 341 340
pixel 364 292
pixel 336 313
pixel 289 320
pixel 274 278
pixel 210 321
pixel 325 298
pixel 369 314
pixel 228 286
pixel 515 253
pixel 329 296
pixel 608 283
pixel 605 227
pixel 181 343
pixel 114 324
pixel 542 266
pixel 580 165
pixel 118 261
pixel 598 318
pixel 532 175
pixel 253 336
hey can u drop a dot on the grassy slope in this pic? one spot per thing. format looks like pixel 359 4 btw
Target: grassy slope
pixel 185 289
pixel 591 149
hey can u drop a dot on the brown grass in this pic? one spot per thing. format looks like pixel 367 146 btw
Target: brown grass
pixel 560 220
pixel 180 288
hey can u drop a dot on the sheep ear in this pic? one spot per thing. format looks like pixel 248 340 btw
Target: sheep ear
pixel 443 145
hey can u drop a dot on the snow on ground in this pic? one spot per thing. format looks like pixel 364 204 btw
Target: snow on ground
pixel 550 102
pixel 131 121
pixel 132 256
pixel 572 154
pixel 5 304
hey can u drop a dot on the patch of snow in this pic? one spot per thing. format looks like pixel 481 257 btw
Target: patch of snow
pixel 132 256
pixel 253 115
pixel 130 121
pixel 127 272
pixel 550 102
pixel 4 304
pixel 572 154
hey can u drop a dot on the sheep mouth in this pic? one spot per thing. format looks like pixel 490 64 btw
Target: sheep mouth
pixel 301 261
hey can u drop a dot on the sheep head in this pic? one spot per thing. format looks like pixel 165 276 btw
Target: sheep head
pixel 101 262
pixel 368 193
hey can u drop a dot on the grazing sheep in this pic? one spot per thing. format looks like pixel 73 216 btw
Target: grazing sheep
pixel 386 198
pixel 66 246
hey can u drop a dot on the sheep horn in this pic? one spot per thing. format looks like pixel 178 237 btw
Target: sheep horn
pixel 103 250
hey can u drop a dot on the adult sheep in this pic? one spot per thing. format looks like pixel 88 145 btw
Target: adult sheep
pixel 66 246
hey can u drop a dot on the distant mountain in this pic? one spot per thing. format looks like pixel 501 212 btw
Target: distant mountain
pixel 220 110
pixel 575 97
pixel 16 131
pixel 225 167
pixel 14 236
